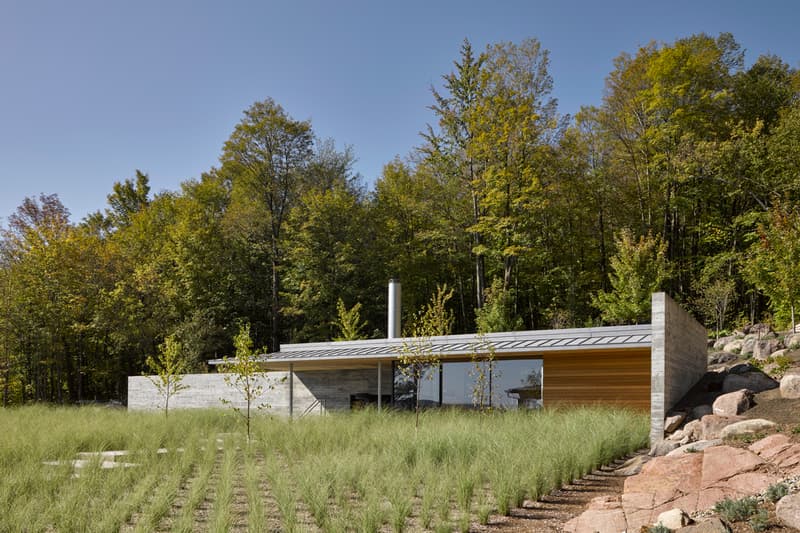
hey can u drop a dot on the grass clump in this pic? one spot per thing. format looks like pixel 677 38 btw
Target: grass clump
pixel 659 528
pixel 737 510
pixel 776 492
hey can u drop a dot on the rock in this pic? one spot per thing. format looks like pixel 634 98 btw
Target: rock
pixel 748 345
pixel 673 519
pixel 712 425
pixel 662 447
pixel 694 447
pixel 734 346
pixel 760 330
pixel 693 430
pixel 671 423
pixel 755 381
pixel 780 353
pixel 746 427
pixel 741 368
pixel 792 340
pixel 632 466
pixel 771 446
pixel 764 348
pixel 720 343
pixel 603 514
pixel 790 385
pixel 701 410
pixel 733 403
pixel 714 525
pixel 676 436
pixel 720 358
pixel 788 510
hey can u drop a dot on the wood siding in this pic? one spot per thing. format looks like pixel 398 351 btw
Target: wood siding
pixel 616 378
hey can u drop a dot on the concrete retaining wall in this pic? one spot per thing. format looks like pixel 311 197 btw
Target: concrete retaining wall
pixel 678 358
pixel 331 387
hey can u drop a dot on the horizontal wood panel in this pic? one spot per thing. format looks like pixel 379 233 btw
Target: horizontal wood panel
pixel 621 378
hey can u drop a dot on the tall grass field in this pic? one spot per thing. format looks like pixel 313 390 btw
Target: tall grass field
pixel 361 471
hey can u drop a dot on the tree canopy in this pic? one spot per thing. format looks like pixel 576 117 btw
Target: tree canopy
pixel 684 178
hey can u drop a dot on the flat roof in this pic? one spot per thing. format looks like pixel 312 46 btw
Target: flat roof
pixel 448 346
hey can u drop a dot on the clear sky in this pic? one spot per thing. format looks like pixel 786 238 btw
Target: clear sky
pixel 90 91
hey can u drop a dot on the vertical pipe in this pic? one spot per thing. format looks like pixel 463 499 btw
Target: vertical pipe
pixel 380 398
pixel 393 329
pixel 291 391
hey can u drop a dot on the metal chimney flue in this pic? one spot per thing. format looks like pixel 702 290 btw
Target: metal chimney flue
pixel 394 309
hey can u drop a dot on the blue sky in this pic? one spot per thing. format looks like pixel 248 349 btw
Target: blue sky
pixel 90 91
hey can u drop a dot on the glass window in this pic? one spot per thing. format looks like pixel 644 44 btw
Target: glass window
pixel 405 388
pixel 508 383
pixel 517 383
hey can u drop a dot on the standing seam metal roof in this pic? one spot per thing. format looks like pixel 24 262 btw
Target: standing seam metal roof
pixel 503 343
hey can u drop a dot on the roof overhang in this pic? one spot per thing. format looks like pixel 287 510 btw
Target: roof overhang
pixel 367 353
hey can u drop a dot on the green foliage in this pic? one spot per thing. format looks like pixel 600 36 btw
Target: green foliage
pixel 658 528
pixel 737 510
pixel 169 368
pixel 416 356
pixel 776 491
pixel 497 313
pixel 759 521
pixel 640 269
pixel 349 322
pixel 244 374
pixel 772 263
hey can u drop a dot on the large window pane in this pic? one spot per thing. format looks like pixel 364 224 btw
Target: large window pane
pixel 457 384
pixel 405 389
pixel 517 383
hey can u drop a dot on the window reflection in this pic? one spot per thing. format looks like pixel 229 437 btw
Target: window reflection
pixel 508 384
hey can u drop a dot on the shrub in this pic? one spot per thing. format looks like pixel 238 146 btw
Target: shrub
pixel 737 510
pixel 659 528
pixel 760 521
pixel 776 492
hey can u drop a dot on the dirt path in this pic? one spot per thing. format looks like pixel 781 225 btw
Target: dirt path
pixel 552 511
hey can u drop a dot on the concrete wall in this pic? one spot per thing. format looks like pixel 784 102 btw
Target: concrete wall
pixel 331 387
pixel 678 358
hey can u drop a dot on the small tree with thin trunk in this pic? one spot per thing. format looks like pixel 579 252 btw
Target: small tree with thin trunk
pixel 244 374
pixel 169 368
pixel 416 356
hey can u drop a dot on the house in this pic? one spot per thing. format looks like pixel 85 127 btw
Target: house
pixel 647 367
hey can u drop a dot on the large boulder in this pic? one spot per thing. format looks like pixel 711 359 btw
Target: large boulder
pixel 755 381
pixel 734 346
pixel 788 510
pixel 746 427
pixel 748 345
pixel 792 340
pixel 764 348
pixel 712 425
pixel 733 403
pixel 790 385
pixel 673 519
pixel 759 330
pixel 720 343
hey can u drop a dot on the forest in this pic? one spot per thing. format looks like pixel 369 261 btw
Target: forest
pixel 685 178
